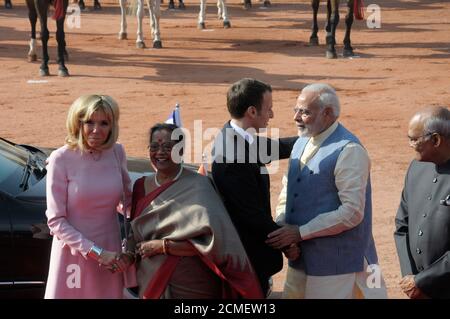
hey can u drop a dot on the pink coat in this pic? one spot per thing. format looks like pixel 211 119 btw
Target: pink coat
pixel 83 193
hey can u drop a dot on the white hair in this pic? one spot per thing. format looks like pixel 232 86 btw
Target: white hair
pixel 438 122
pixel 326 96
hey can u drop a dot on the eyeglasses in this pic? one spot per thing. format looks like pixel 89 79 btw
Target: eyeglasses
pixel 302 111
pixel 165 147
pixel 414 141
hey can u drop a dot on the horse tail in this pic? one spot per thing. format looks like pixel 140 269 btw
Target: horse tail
pixel 358 9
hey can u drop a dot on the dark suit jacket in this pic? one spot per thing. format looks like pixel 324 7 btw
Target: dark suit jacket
pixel 422 233
pixel 246 194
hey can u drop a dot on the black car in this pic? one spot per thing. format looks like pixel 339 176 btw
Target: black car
pixel 25 239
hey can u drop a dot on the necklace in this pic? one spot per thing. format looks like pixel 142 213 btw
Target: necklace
pixel 174 179
pixel 96 155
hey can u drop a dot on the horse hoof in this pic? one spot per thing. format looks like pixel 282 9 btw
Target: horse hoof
pixel 247 5
pixel 331 55
pixel 8 5
pixel 313 42
pixel 171 6
pixel 267 3
pixel 226 24
pixel 140 45
pixel 348 53
pixel 201 26
pixel 32 57
pixel 63 72
pixel 97 6
pixel 157 45
pixel 123 35
pixel 44 72
pixel 181 6
pixel 82 6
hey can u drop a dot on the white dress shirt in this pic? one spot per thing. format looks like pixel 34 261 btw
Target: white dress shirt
pixel 245 135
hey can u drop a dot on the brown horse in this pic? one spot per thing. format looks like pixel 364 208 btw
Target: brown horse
pixel 332 22
pixel 39 9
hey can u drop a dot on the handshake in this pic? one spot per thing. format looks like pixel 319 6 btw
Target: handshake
pixel 286 238
pixel 121 262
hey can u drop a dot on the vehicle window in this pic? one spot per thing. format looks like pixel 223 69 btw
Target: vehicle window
pixel 12 167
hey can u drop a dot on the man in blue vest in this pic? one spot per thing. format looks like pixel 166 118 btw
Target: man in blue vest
pixel 328 206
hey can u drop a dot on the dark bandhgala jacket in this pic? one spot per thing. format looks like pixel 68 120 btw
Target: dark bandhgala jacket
pixel 422 233
pixel 238 173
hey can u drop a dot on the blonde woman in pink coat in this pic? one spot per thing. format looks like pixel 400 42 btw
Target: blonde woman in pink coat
pixel 85 182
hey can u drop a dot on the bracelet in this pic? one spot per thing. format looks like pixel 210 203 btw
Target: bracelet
pixel 95 252
pixel 164 246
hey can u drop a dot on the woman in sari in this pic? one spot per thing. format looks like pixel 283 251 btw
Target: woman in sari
pixel 185 243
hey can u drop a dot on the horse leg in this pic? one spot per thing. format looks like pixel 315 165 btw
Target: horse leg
pixel 140 44
pixel 155 14
pixel 123 20
pixel 181 5
pixel 97 5
pixel 41 8
pixel 313 39
pixel 348 50
pixel 247 4
pixel 171 5
pixel 327 24
pixel 219 9
pixel 331 36
pixel 202 15
pixel 61 39
pixel 81 5
pixel 266 3
pixel 32 16
pixel 8 4
pixel 226 22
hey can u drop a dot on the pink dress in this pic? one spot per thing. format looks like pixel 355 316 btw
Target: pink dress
pixel 83 193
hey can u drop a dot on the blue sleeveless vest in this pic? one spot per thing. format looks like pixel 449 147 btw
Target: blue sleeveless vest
pixel 311 192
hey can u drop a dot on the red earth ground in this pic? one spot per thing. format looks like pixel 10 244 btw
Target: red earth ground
pixel 399 68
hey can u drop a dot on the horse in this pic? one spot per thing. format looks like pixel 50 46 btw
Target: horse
pixel 354 8
pixel 221 13
pixel 39 8
pixel 82 6
pixel 8 4
pixel 154 8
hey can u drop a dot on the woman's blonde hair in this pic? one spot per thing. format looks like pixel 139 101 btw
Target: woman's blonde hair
pixel 81 110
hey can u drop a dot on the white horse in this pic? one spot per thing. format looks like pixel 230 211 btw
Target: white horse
pixel 154 9
pixel 221 13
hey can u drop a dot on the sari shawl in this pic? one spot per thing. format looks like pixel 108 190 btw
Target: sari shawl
pixel 190 209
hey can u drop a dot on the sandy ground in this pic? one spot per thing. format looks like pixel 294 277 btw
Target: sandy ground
pixel 400 67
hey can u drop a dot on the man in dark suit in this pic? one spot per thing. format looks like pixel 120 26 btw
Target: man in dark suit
pixel 239 171
pixel 423 219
